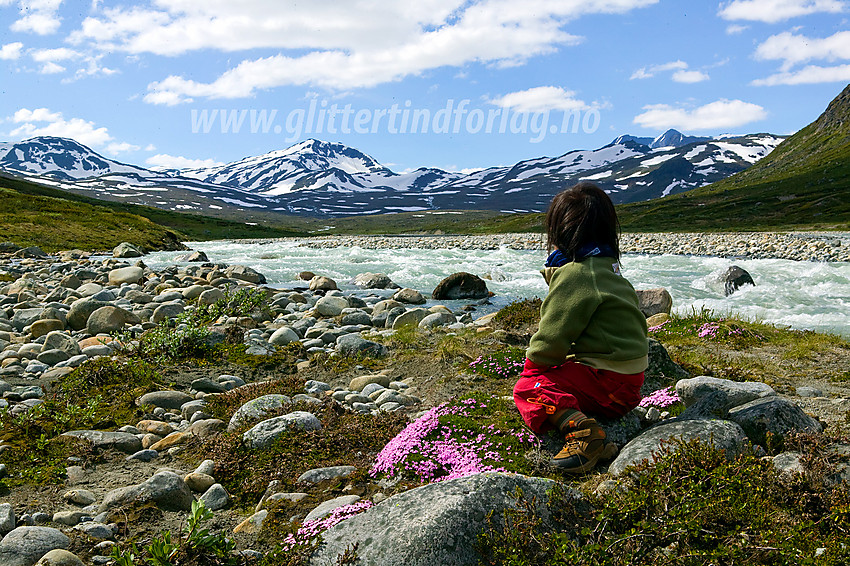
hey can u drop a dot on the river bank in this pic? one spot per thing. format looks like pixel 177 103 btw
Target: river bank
pixel 797 246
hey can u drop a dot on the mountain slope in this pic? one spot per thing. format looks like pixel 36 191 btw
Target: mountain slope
pixel 804 182
pixel 35 215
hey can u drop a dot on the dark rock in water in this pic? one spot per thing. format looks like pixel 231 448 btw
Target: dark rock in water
pixel 461 285
pixel 195 256
pixel 734 278
pixel 438 523
pixel 374 281
pixel 654 301
pixel 126 249
pixel 306 275
pixel 660 364
pixel 775 415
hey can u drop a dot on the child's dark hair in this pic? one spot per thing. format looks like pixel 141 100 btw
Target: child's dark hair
pixel 580 215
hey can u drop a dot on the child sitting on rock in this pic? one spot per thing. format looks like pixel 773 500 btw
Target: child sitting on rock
pixel 590 351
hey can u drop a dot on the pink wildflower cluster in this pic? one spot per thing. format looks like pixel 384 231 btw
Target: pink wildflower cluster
pixel 498 367
pixel 709 330
pixel 434 451
pixel 311 529
pixel 658 327
pixel 661 398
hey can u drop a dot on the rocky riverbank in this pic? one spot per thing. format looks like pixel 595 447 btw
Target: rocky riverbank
pixel 757 245
pixel 322 411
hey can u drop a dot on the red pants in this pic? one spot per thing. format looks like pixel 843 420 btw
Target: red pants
pixel 544 390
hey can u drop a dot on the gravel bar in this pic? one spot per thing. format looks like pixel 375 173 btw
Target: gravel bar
pixel 798 246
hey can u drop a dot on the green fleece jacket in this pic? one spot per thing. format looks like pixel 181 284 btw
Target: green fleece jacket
pixel 591 315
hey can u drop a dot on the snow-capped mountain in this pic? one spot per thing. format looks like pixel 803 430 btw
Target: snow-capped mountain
pixel 670 138
pixel 322 178
pixel 59 157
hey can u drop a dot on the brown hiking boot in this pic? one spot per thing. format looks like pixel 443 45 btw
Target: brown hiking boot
pixel 585 446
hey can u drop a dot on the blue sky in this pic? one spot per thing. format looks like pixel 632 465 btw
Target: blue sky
pixel 444 83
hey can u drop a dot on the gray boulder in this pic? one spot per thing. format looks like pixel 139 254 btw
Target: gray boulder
pixel 108 319
pixel 736 392
pixel 195 256
pixel 373 281
pixel 57 340
pixel 245 273
pixel 409 297
pixel 165 399
pixel 166 311
pixel 123 441
pixel 654 301
pixel 24 546
pixel 266 432
pixel 126 249
pixel 411 317
pixel 775 415
pixel 352 345
pixel 438 523
pixel 25 317
pixel 461 285
pixel 318 475
pixel 282 336
pixel 81 310
pixel 660 364
pixel 661 439
pixel 257 409
pixel 216 497
pixel 327 507
pixel 166 489
pixel 123 275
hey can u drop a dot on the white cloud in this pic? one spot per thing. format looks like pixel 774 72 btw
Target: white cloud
pixel 44 122
pixel 165 161
pixel 150 147
pixel 11 51
pixel 541 99
pixel 51 68
pixel 772 11
pixel 336 44
pixel 652 70
pixel 811 74
pixel 735 29
pixel 58 54
pixel 720 114
pixel 121 147
pixel 683 76
pixel 793 49
pixel 37 16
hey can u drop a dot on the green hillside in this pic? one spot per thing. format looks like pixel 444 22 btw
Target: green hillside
pixel 803 184
pixel 35 215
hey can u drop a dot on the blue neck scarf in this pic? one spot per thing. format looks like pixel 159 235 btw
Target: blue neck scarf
pixel 591 249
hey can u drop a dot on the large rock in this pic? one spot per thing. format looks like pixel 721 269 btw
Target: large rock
pixel 166 311
pixel 385 305
pixel 166 399
pixel 331 306
pixel 60 557
pixel 321 283
pixel 266 432
pixel 195 256
pixel 410 318
pixel 57 340
pixel 736 393
pixel 43 327
pixel 734 278
pixel 81 310
pixel 257 409
pixel 109 319
pixel 654 301
pixel 660 364
pixel 25 317
pixel 409 296
pixel 352 345
pixel 436 524
pixel 245 273
pixel 373 281
pixel 126 275
pixel 460 285
pixel 283 336
pixel 775 415
pixel 724 435
pixel 122 441
pixel 25 545
pixel 126 249
pixel 166 489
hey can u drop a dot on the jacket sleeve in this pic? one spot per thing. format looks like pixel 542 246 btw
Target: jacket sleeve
pixel 564 314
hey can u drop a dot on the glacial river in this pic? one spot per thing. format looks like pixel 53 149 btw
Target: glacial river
pixel 802 295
